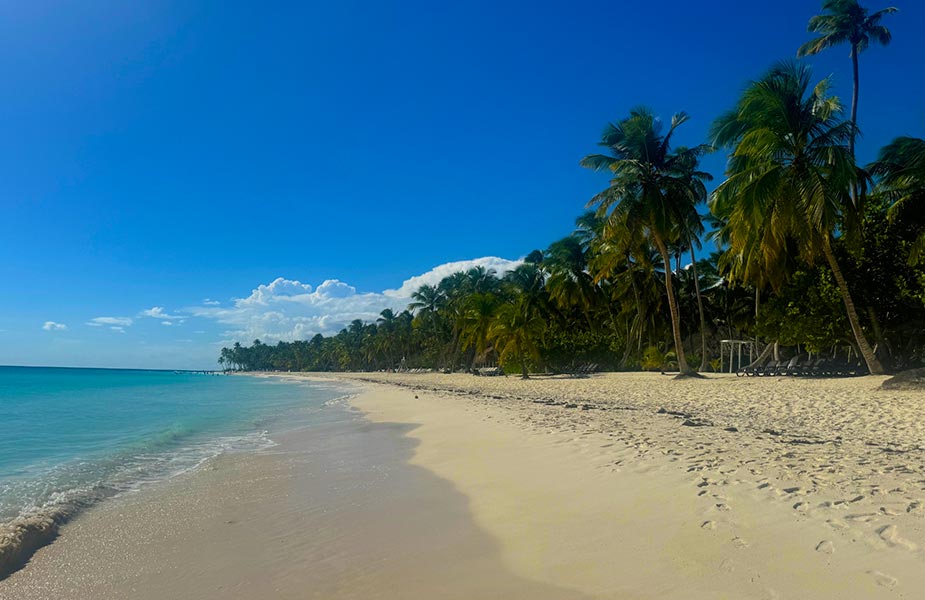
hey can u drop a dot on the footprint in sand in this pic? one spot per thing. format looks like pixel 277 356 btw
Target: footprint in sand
pixel 708 525
pixel 825 547
pixel 740 543
pixel 916 508
pixel 837 524
pixel 862 518
pixel 890 535
pixel 883 579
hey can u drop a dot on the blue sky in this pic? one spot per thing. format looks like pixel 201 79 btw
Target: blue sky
pixel 168 156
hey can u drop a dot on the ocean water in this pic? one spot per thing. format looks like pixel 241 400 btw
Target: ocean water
pixel 73 437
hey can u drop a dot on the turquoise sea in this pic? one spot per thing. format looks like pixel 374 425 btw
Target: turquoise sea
pixel 72 437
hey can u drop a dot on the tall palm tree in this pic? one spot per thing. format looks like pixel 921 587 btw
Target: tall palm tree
pixel 789 176
pixel 901 167
pixel 692 227
pixel 848 22
pixel 648 191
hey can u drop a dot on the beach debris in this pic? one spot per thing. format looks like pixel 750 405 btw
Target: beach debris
pixel 883 579
pixel 673 413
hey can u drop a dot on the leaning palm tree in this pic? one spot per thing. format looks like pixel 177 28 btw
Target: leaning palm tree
pixel 789 177
pixel 901 168
pixel 649 194
pixel 848 22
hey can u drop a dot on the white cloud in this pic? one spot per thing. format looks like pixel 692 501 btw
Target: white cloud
pixel 117 321
pixel 435 275
pixel 168 323
pixel 287 309
pixel 157 312
pixel 210 302
pixel 52 326
pixel 118 329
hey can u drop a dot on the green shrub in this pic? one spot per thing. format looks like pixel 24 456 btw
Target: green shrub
pixel 652 359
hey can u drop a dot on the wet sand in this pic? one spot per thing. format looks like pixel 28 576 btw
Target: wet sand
pixel 334 511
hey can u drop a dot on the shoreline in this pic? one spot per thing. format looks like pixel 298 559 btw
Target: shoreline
pixel 622 486
pixel 334 510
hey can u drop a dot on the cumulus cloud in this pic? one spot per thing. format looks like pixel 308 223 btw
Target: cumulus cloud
pixel 158 312
pixel 116 321
pixel 287 309
pixel 52 326
pixel 435 275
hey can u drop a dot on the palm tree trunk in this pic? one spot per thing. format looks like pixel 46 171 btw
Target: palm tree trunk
pixel 673 307
pixel 704 359
pixel 854 98
pixel 638 301
pixel 873 365
pixel 855 186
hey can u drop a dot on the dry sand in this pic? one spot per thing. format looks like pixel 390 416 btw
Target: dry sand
pixel 640 486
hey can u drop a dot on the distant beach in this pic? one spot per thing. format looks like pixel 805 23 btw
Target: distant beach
pixel 609 486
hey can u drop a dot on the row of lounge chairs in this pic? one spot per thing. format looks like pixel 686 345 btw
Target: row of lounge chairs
pixel 488 371
pixel 799 366
pixel 581 369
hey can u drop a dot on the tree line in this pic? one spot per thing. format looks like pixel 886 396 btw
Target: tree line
pixel 812 249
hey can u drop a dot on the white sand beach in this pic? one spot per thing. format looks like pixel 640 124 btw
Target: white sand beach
pixel 640 486
pixel 614 486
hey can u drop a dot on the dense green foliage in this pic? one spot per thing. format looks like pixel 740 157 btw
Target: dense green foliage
pixel 813 251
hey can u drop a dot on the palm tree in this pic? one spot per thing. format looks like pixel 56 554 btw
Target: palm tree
pixel 570 285
pixel 692 226
pixel 477 316
pixel 516 332
pixel 648 193
pixel 901 167
pixel 789 177
pixel 427 299
pixel 847 22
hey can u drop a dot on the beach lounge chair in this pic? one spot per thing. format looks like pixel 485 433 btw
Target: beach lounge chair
pixel 793 367
pixel 770 368
pixel 752 370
